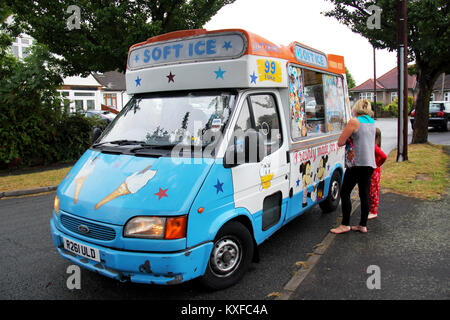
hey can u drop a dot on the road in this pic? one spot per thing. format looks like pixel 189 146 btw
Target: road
pixel 388 127
pixel 32 268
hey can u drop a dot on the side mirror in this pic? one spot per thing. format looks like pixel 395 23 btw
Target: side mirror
pixel 96 133
pixel 248 147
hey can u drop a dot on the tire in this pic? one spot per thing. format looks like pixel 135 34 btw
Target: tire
pixel 230 257
pixel 334 194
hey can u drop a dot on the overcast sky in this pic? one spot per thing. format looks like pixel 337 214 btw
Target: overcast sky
pixel 285 21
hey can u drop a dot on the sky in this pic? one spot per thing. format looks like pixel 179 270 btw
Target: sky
pixel 285 21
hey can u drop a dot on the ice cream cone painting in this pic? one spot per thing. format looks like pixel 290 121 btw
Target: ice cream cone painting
pixel 265 175
pixel 81 177
pixel 132 184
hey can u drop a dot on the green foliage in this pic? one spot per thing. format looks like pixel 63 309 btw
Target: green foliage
pixel 350 81
pixel 73 136
pixel 33 128
pixel 393 106
pixel 107 28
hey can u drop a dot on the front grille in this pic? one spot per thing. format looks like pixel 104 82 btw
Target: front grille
pixel 96 231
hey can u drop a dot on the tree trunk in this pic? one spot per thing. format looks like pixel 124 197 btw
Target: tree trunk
pixel 425 82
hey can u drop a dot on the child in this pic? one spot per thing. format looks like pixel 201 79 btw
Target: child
pixel 380 158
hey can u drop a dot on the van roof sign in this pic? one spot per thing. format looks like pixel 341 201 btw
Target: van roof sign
pixel 204 47
pixel 310 56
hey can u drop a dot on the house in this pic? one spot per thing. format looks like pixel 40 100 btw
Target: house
pixel 441 89
pixel 83 93
pixel 113 89
pixel 95 90
pixel 386 86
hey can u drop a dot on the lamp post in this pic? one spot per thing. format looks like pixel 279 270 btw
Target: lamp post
pixel 402 93
pixel 374 85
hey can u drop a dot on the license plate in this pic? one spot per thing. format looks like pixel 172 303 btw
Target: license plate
pixel 81 250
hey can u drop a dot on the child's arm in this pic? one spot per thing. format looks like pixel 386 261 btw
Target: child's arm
pixel 380 156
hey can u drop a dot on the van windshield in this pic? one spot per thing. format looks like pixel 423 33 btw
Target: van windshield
pixel 166 120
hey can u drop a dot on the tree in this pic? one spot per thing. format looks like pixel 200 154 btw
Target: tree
pixel 107 29
pixel 428 42
pixel 350 81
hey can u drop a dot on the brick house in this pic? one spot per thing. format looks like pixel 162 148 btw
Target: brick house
pixel 441 90
pixel 387 86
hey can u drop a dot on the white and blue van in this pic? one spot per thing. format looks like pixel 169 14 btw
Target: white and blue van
pixel 227 137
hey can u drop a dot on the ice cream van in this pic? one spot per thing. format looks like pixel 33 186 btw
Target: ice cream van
pixel 227 137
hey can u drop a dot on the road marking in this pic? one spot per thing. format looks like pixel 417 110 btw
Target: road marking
pixel 312 261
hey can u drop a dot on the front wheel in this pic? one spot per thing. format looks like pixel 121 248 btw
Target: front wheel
pixel 334 194
pixel 231 256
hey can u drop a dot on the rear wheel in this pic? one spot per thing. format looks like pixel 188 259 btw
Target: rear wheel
pixel 231 256
pixel 334 194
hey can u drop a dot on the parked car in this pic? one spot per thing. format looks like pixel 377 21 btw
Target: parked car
pixel 103 115
pixel 439 115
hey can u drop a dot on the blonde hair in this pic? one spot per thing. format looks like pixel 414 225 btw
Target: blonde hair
pixel 362 107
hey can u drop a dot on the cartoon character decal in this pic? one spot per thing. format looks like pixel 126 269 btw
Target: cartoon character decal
pixel 132 184
pixel 321 170
pixel 297 101
pixel 266 175
pixel 307 175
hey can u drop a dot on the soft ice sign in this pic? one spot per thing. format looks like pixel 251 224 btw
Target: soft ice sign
pixel 311 57
pixel 208 47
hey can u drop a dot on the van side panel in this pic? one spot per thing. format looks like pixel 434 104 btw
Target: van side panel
pixel 311 171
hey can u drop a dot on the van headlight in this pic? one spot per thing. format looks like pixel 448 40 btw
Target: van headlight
pixel 156 227
pixel 145 227
pixel 56 205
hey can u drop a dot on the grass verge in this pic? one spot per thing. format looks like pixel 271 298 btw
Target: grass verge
pixel 424 175
pixel 32 180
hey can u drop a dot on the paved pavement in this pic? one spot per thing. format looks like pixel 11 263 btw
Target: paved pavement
pixel 404 256
pixel 407 246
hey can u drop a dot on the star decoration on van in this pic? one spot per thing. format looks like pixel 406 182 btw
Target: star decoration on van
pixel 253 78
pixel 227 45
pixel 219 73
pixel 218 186
pixel 138 81
pixel 170 77
pixel 161 193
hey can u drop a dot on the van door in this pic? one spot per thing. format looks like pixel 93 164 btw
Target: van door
pixel 261 187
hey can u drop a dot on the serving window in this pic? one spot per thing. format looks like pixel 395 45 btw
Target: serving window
pixel 315 106
pixel 317 103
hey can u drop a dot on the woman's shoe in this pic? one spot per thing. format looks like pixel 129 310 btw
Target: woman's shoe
pixel 360 229
pixel 372 216
pixel 341 229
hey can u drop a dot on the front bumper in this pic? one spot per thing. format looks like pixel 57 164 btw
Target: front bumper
pixel 433 122
pixel 142 267
pixel 437 122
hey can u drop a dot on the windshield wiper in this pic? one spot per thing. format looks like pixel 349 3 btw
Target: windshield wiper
pixel 147 146
pixel 119 142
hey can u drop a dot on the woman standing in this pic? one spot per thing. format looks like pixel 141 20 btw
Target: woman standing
pixel 361 130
